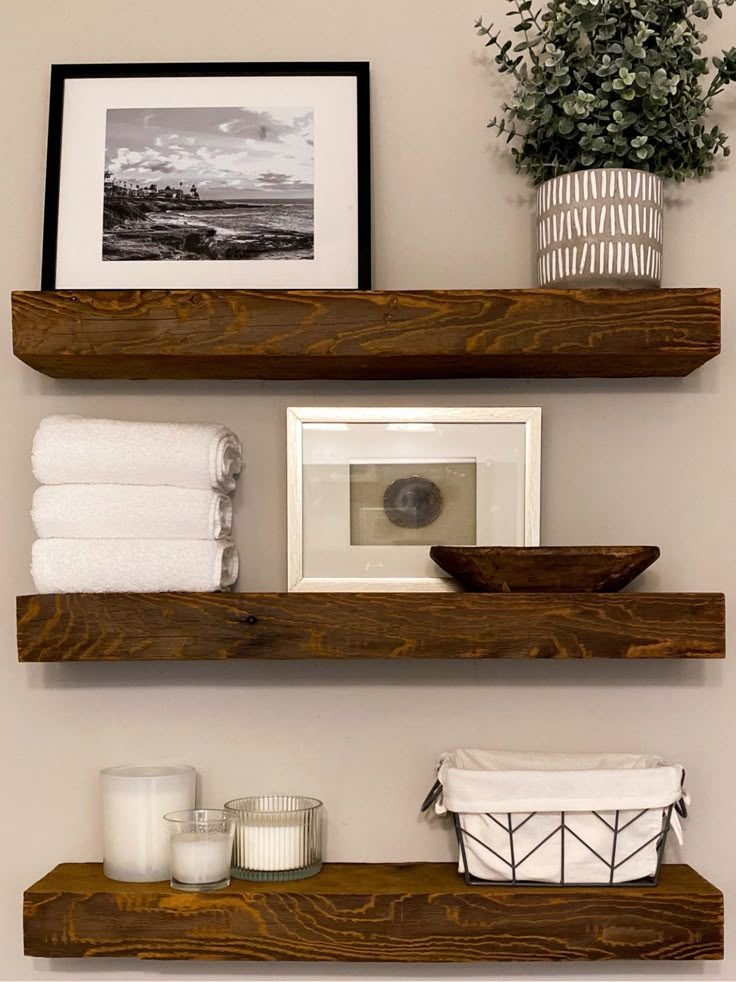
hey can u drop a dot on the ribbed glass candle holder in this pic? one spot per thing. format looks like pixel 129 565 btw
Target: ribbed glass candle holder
pixel 277 837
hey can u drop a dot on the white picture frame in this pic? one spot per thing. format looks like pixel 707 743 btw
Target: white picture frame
pixel 333 432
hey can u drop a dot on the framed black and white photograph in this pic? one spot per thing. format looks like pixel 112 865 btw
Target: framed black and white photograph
pixel 370 490
pixel 253 175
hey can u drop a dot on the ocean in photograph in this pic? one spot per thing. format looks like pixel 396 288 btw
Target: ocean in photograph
pixel 209 183
pixel 153 229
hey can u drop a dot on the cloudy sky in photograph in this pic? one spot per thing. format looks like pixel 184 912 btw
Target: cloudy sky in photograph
pixel 232 153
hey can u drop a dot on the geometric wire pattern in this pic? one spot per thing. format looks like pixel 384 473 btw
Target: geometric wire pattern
pixel 612 862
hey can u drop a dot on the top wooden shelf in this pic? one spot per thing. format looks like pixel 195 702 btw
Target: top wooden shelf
pixel 353 334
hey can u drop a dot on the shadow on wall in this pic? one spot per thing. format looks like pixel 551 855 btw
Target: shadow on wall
pixel 81 968
pixel 561 673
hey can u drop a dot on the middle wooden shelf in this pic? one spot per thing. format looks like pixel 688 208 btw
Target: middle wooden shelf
pixel 216 626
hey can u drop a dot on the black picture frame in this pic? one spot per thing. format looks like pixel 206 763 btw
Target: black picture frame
pixel 60 74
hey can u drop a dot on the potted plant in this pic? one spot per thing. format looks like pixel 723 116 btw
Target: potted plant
pixel 608 103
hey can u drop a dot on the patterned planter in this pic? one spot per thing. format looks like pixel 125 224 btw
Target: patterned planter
pixel 600 228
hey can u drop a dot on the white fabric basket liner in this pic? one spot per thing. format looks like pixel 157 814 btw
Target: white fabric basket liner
pixel 501 797
pixel 504 781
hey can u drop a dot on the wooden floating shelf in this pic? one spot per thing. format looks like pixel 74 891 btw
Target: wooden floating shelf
pixel 352 334
pixel 185 626
pixel 421 912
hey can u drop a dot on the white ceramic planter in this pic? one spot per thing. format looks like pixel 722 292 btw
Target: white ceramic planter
pixel 600 228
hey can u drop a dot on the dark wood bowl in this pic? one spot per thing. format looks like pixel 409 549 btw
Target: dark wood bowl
pixel 544 569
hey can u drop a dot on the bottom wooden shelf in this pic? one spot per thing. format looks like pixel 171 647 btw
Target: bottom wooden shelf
pixel 419 912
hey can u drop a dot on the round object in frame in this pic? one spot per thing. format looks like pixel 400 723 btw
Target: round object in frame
pixel 412 502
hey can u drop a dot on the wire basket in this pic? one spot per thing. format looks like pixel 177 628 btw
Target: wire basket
pixel 552 845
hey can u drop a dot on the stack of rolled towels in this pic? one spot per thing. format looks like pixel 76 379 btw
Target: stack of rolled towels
pixel 133 507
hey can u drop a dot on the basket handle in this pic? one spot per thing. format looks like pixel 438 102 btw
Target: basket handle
pixel 434 793
pixel 681 803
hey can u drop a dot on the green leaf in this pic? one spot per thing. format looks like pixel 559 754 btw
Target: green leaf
pixel 611 82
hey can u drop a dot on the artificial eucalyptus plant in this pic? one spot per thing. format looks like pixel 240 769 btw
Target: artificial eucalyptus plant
pixel 611 83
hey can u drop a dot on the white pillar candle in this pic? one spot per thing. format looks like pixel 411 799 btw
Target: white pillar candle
pixel 272 847
pixel 201 857
pixel 134 801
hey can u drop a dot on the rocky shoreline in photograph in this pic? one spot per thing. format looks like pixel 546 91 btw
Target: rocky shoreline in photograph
pixel 151 229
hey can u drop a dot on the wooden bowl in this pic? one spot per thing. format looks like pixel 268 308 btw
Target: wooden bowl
pixel 544 569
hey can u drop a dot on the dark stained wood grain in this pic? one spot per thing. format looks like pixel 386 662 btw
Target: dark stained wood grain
pixel 171 626
pixel 420 912
pixel 353 334
pixel 544 569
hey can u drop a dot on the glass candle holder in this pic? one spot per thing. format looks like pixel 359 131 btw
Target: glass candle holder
pixel 200 848
pixel 134 801
pixel 277 837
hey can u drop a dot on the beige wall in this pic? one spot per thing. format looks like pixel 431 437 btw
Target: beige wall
pixel 623 462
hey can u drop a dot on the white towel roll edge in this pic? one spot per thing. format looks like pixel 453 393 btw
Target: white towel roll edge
pixel 130 511
pixel 133 565
pixel 87 450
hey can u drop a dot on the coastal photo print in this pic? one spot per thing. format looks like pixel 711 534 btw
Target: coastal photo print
pixel 208 183
pixel 193 176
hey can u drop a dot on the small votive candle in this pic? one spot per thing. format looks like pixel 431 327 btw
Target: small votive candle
pixel 201 847
pixel 277 837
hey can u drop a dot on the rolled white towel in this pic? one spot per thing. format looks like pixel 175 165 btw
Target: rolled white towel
pixel 84 450
pixel 133 565
pixel 126 511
